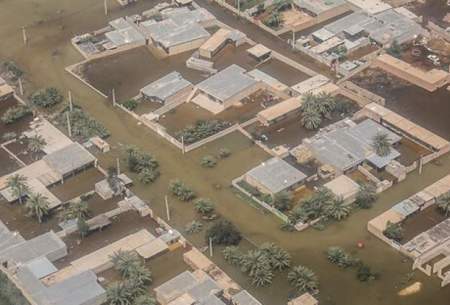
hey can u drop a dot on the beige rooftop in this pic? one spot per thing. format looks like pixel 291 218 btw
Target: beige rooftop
pixel 343 187
pixel 259 50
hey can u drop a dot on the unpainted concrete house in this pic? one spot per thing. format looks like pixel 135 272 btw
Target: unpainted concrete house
pixel 167 89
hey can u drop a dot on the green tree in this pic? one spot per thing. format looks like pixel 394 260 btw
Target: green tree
pixel 36 143
pixel 181 191
pixel 38 206
pixel 337 209
pixel 18 185
pixel 119 294
pixel 365 274
pixel 148 175
pixel 233 255
pixel 283 201
pixel 83 227
pixel 204 206
pixel 253 261
pixel 394 231
pixel 125 262
pixel 339 257
pixel 366 196
pixel 311 120
pixel 278 258
pixel 303 279
pixel 443 204
pixel 46 98
pixel 138 160
pixel 194 227
pixel 381 144
pixel 223 232
pixel 262 276
pixel 76 210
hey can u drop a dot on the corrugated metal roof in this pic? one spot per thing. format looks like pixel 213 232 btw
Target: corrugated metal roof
pixel 166 86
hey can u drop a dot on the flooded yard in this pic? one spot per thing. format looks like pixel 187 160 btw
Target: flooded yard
pixel 51 25
pixel 17 127
pixel 410 101
pixel 7 163
pixel 420 222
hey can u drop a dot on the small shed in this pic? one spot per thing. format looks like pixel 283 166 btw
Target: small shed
pixel 101 144
pixel 343 187
pixel 260 52
pixel 167 88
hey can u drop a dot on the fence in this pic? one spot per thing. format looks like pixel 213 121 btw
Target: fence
pixel 261 203
pixel 360 95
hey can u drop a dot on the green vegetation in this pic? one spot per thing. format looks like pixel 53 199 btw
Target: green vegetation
pixel 224 153
pixel 283 201
pixel 36 144
pixel 142 163
pixel 317 205
pixel 18 185
pixel 135 277
pixel 37 206
pixel 339 257
pixel 208 161
pixel 13 70
pixel 9 136
pixel 259 264
pixel 303 279
pixel 82 125
pixel 255 192
pixel 443 204
pixel 200 130
pixel 130 104
pixel 193 227
pixel 15 113
pixel 315 108
pixel 366 196
pixel 365 274
pixel 204 206
pixel 395 49
pixel 9 293
pixel 223 232
pixel 381 144
pixel 181 191
pixel 76 210
pixel 46 98
pixel 394 231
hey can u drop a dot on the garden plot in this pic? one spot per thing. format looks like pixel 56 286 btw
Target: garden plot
pixel 17 122
pixel 26 150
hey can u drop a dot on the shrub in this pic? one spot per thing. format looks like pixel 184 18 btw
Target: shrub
pixel 200 130
pixel 194 227
pixel 82 124
pixel 223 232
pixel 394 231
pixel 366 196
pixel 181 191
pixel 339 257
pixel 148 175
pixel 138 160
pixel 224 153
pixel 208 161
pixel 130 104
pixel 204 206
pixel 233 255
pixel 365 274
pixel 283 201
pixel 46 98
pixel 13 69
pixel 15 113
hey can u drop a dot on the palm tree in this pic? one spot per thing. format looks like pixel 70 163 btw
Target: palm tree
pixel 303 279
pixel 140 275
pixel 366 196
pixel 18 185
pixel 311 120
pixel 38 206
pixel 232 255
pixel 443 204
pixel 279 259
pixel 204 206
pixel 252 261
pixel 76 210
pixel 36 143
pixel 118 294
pixel 337 209
pixel 325 104
pixel 262 276
pixel 125 262
pixel 337 256
pixel 144 300
pixel 381 144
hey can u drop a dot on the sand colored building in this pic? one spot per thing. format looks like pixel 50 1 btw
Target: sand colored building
pixel 429 80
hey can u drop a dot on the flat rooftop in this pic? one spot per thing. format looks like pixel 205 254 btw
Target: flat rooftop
pixel 319 6
pixel 227 83
pixel 166 86
pixel 276 175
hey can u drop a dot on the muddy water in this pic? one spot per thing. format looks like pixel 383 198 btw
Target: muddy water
pixel 49 51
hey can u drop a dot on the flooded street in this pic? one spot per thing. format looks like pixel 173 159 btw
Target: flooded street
pixel 51 24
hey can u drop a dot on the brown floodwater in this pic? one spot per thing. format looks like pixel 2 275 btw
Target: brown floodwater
pixel 51 25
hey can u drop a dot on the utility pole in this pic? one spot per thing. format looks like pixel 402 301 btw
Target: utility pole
pixel 20 86
pixel 70 101
pixel 210 247
pixel 167 208
pixel 118 166
pixel 420 165
pixel 69 127
pixel 293 39
pixel 239 7
pixel 105 3
pixel 24 35
pixel 114 97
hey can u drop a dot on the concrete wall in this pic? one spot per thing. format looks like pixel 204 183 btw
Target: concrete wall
pixel 195 44
pixel 245 93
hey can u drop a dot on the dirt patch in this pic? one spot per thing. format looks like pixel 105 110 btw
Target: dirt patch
pixel 21 150
pixel 7 163
pixel 421 222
